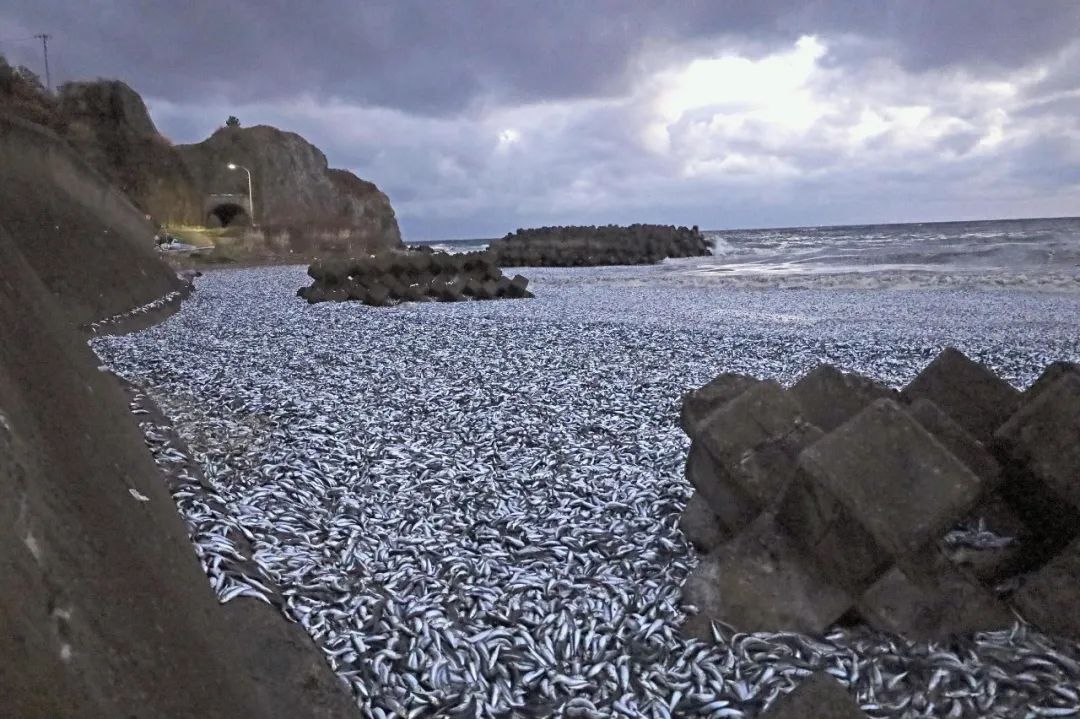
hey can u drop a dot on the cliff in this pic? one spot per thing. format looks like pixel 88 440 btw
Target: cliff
pixel 104 607
pixel 295 191
pixel 109 126
pixel 302 206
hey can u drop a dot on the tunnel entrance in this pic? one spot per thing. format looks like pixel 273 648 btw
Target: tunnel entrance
pixel 228 214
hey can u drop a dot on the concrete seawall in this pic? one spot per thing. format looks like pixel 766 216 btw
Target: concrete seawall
pixel 105 609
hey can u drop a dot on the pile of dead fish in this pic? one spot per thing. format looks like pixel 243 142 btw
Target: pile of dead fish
pixel 415 275
pixel 110 322
pixel 474 514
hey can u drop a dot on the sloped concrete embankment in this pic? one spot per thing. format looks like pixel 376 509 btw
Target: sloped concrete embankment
pixel 105 609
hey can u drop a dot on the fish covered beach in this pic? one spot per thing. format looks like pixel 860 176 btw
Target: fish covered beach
pixel 473 508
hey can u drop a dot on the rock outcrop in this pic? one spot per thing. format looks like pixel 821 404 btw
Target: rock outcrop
pixel 322 210
pixel 108 124
pixel 303 207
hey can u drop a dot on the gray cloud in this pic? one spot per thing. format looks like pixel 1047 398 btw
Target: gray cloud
pixel 438 57
pixel 917 109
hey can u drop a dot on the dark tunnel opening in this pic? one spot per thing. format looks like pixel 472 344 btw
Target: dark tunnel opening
pixel 228 214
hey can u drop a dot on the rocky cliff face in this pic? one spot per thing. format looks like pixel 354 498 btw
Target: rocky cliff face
pixel 302 206
pixel 108 124
pixel 293 186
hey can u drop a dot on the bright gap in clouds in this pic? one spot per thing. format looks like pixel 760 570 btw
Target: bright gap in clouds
pixel 774 87
pixel 717 140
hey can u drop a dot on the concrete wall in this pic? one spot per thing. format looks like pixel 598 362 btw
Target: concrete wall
pixel 89 245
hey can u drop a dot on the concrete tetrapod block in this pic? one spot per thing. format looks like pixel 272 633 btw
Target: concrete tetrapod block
pixel 356 290
pixel 415 293
pixel 992 562
pixel 829 397
pixel 337 293
pixel 973 453
pixel 518 286
pixel 925 597
pixel 818 697
pixel 381 264
pixel 1050 599
pixel 756 438
pixel 969 392
pixel 877 488
pixel 473 287
pixel 697 404
pixel 701 526
pixel 1044 436
pixel 453 291
pixel 988 563
pixel 760 581
pixel 489 290
pixel 377 295
pixel 720 493
pixel 1041 455
pixel 1053 372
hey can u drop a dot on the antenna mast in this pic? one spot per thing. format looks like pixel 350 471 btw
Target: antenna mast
pixel 44 37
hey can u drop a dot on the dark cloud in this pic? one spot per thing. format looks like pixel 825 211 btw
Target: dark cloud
pixel 438 57
pixel 917 110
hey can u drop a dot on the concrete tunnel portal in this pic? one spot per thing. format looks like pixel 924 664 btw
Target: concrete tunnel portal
pixel 230 210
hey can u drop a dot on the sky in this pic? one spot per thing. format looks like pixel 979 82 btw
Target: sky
pixel 479 117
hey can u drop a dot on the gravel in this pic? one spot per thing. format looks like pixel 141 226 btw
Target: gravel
pixel 473 507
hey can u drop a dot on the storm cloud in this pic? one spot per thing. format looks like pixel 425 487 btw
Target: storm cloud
pixel 479 117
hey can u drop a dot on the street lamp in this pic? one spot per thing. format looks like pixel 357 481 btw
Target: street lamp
pixel 251 195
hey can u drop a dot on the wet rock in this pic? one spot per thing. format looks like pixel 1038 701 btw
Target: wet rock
pixel 761 581
pixel 976 398
pixel 819 697
pixel 829 397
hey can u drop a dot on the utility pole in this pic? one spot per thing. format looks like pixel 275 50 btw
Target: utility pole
pixel 45 46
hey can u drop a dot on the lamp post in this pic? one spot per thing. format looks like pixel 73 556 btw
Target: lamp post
pixel 251 195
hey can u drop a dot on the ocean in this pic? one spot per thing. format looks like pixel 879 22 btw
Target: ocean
pixel 1036 254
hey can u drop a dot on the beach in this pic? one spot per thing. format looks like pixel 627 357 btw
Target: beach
pixel 472 507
